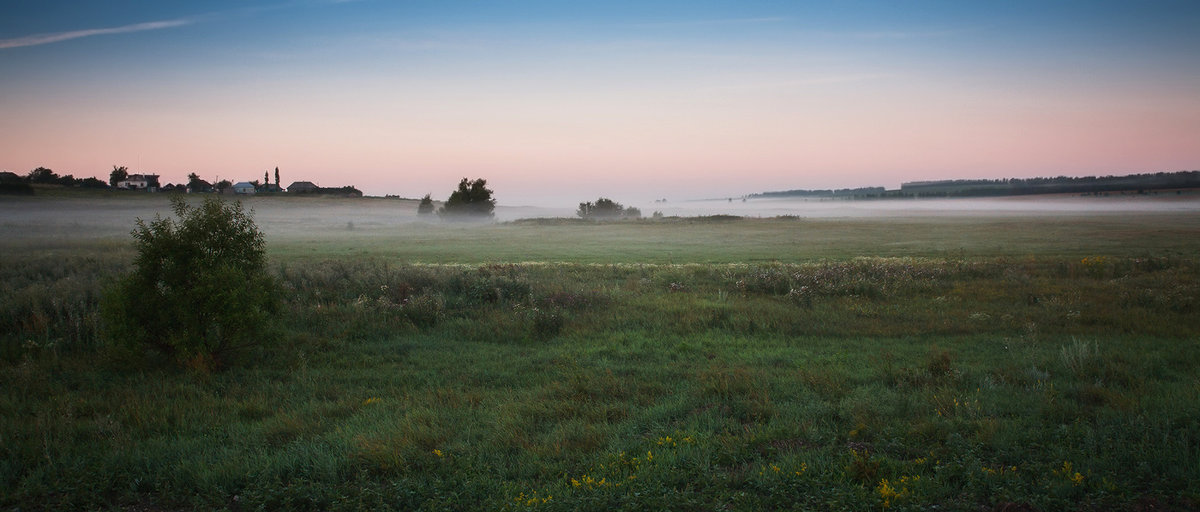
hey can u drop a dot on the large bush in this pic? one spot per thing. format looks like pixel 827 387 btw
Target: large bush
pixel 199 290
pixel 472 199
pixel 605 208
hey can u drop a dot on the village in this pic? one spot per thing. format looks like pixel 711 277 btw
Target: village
pixel 121 179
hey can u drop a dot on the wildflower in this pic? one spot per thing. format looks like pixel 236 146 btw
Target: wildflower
pixel 887 492
pixel 890 493
pixel 803 468
pixel 438 453
pixel 372 400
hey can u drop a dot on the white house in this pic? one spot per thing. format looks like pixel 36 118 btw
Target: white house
pixel 140 182
pixel 243 187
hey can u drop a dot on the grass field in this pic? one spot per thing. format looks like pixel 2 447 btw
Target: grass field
pixel 968 362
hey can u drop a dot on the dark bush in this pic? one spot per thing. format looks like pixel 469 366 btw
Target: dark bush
pixel 199 290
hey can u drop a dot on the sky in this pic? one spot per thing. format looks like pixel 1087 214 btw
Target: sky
pixel 556 102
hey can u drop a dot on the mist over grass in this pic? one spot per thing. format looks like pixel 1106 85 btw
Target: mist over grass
pixel 80 217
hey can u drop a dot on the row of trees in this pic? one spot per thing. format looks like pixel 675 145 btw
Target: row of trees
pixel 473 199
pixel 605 208
pixel 45 176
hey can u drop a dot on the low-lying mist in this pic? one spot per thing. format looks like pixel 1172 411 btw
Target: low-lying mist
pixel 83 217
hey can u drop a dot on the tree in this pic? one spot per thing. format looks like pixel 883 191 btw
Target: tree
pixel 472 199
pixel 605 208
pixel 199 290
pixel 42 175
pixel 92 182
pixel 224 185
pixel 266 178
pixel 277 177
pixel 425 207
pixel 118 175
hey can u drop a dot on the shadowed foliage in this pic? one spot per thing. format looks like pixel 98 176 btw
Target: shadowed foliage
pixel 199 289
pixel 471 199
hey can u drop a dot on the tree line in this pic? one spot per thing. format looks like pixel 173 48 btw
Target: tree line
pixel 13 183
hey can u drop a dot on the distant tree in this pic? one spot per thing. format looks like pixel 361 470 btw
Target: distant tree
pixel 92 182
pixel 118 175
pixel 472 199
pixel 426 206
pixel 42 175
pixel 605 208
pixel 266 178
pixel 195 184
pixel 224 185
pixel 67 181
pixel 277 177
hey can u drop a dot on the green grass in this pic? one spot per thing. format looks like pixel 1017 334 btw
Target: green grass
pixel 757 240
pixel 686 373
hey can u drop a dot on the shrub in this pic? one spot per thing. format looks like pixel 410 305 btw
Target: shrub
pixel 199 289
pixel 605 208
pixel 425 207
pixel 472 199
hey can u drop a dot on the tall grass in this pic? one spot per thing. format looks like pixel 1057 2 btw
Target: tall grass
pixel 852 384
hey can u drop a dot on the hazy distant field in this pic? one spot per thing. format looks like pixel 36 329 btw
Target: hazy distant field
pixel 305 227
pixel 999 355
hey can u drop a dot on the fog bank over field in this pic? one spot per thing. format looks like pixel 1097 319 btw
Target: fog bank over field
pixel 882 208
pixel 83 217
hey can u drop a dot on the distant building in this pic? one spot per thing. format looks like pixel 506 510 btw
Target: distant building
pixel 270 187
pixel 9 177
pixel 200 187
pixel 244 187
pixel 140 182
pixel 301 187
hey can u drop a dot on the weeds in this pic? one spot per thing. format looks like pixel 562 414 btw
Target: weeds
pixel 826 385
pixel 1078 355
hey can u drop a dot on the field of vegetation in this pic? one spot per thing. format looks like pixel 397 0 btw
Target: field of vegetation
pixel 972 363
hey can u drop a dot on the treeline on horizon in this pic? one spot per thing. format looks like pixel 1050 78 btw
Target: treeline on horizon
pixel 1008 187
pixel 15 184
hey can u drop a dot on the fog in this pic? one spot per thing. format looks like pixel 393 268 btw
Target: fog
pixel 1002 206
pixel 66 217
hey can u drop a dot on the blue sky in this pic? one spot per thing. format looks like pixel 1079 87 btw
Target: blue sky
pixel 627 99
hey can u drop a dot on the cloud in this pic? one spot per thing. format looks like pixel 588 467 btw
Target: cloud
pixel 40 39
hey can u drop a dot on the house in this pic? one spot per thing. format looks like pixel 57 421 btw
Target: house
pixel 199 186
pixel 244 187
pixel 301 187
pixel 140 182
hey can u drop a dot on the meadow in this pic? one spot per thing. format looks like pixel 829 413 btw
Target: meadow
pixel 967 361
